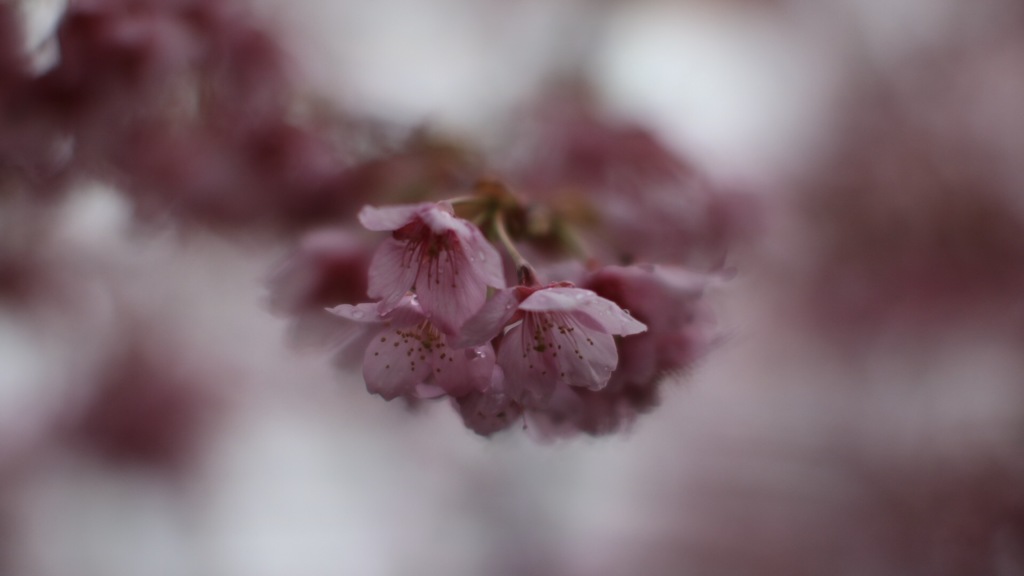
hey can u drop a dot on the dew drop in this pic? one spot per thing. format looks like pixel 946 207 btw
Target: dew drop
pixel 481 256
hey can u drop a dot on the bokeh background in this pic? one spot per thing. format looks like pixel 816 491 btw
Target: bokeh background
pixel 862 412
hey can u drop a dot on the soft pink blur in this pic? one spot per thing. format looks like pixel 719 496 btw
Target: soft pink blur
pixel 179 181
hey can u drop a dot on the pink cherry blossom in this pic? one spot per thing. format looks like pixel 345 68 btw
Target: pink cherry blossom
pixel 491 410
pixel 554 335
pixel 408 355
pixel 669 300
pixel 445 260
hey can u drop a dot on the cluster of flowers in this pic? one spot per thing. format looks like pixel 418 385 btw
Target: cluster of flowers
pixel 446 323
pixel 481 326
pixel 187 109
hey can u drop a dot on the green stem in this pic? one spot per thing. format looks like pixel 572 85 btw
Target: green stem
pixel 527 275
pixel 461 200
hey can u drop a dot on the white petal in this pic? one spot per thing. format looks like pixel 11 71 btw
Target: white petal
pixel 557 299
pixel 389 217
pixel 362 313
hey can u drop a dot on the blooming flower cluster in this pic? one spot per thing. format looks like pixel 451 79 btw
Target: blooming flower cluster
pixel 447 322
pixel 188 110
pixel 542 306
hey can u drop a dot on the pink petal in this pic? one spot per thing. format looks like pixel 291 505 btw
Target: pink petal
pixel 548 349
pixel 557 299
pixel 582 356
pixel 450 293
pixel 460 372
pixel 355 326
pixel 528 376
pixel 489 320
pixel 406 313
pixel 592 367
pixel 489 411
pixel 485 260
pixel 392 371
pixel 594 311
pixel 389 217
pixel 428 392
pixel 392 273
pixel 608 317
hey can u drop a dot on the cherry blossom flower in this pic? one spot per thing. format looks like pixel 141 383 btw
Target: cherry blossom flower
pixel 489 411
pixel 408 355
pixel 445 260
pixel 669 300
pixel 553 335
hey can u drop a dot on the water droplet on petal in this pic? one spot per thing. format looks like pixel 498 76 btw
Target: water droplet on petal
pixel 481 256
pixel 478 355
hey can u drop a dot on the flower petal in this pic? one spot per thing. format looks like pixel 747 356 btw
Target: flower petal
pixel 362 313
pixel 450 293
pixel 393 272
pixel 489 411
pixel 489 321
pixel 592 363
pixel 596 312
pixel 608 316
pixel 406 313
pixel 356 323
pixel 551 348
pixel 486 261
pixel 557 299
pixel 439 218
pixel 389 369
pixel 529 376
pixel 389 217
pixel 460 372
